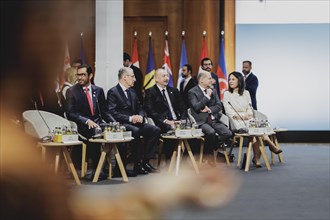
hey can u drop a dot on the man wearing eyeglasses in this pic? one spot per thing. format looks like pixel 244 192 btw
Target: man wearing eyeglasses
pixel 86 106
pixel 207 65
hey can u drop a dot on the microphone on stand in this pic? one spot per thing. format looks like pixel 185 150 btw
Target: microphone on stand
pixel 46 138
pixel 253 112
pixel 241 130
pixel 98 107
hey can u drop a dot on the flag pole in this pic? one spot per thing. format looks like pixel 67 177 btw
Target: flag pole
pixel 149 81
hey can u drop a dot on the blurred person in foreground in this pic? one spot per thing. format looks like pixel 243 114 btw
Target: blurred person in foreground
pixel 31 57
pixel 28 189
pixel 238 106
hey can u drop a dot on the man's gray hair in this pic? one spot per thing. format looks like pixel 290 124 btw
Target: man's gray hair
pixel 201 74
pixel 122 71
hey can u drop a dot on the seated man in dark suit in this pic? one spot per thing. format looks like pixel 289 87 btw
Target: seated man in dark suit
pixel 124 106
pixel 164 105
pixel 86 106
pixel 206 109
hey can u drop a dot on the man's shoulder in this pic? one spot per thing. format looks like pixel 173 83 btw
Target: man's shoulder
pixel 194 89
pixel 172 89
pixel 135 68
pixel 114 88
pixel 97 87
pixel 75 88
pixel 253 76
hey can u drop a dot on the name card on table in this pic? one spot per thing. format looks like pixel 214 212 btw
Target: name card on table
pixel 260 131
pixel 117 135
pixel 67 138
pixel 188 132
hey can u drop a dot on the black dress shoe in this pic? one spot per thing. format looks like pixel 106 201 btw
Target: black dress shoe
pixel 129 173
pixel 89 176
pixel 148 167
pixel 139 169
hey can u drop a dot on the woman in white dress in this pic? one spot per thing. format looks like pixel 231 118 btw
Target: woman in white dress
pixel 237 104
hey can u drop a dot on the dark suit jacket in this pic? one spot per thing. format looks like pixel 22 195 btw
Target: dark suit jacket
pixel 157 108
pixel 216 85
pixel 251 84
pixel 119 106
pixel 184 94
pixel 78 108
pixel 197 101
pixel 138 83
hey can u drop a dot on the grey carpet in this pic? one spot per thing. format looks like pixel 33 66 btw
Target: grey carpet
pixel 297 189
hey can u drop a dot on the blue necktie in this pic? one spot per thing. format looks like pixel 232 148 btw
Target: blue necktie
pixel 129 97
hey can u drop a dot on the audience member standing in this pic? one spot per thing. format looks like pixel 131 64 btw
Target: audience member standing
pixel 251 82
pixel 206 65
pixel 86 106
pixel 206 108
pixel 138 76
pixel 125 107
pixel 187 83
pixel 70 79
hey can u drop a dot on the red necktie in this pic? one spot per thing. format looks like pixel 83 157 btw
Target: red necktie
pixel 89 100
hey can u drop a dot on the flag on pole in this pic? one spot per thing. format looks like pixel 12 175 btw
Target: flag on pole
pixel 183 61
pixel 82 53
pixel 204 51
pixel 135 54
pixel 221 70
pixel 167 62
pixel 66 65
pixel 149 79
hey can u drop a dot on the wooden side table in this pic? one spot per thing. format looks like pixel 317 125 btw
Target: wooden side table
pixel 182 144
pixel 273 138
pixel 63 147
pixel 249 149
pixel 107 146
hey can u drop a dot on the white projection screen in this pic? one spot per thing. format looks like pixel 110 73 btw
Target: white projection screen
pixel 288 44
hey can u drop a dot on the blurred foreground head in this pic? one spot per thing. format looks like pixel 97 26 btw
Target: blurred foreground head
pixel 28 189
pixel 32 36
pixel 32 48
pixel 152 196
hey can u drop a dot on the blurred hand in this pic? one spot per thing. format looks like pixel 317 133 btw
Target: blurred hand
pixel 209 92
pixel 137 119
pixel 91 124
pixel 206 109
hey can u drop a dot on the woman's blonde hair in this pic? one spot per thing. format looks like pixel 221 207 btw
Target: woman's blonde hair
pixel 70 75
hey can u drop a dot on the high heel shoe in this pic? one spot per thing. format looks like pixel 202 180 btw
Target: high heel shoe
pixel 258 165
pixel 275 151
